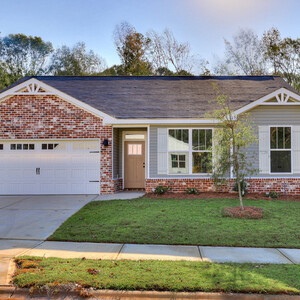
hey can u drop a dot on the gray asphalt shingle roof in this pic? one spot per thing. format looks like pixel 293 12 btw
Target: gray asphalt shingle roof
pixel 162 97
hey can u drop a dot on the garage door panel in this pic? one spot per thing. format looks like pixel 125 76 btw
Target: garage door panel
pixel 61 173
pixel 63 170
pixel 93 187
pixel 29 187
pixel 78 188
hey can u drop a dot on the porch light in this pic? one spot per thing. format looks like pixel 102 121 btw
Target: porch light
pixel 105 143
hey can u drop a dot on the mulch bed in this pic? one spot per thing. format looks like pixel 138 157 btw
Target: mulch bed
pixel 210 195
pixel 249 212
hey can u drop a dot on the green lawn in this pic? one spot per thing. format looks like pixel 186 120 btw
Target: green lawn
pixel 194 222
pixel 158 275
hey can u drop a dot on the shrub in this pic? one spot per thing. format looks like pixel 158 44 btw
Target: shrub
pixel 274 195
pixel 161 189
pixel 193 191
pixel 243 187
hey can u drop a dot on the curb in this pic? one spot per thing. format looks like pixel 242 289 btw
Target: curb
pixel 13 293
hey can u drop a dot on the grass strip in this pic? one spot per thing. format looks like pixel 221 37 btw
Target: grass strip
pixel 158 275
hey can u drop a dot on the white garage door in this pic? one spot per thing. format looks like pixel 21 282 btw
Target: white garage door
pixel 49 167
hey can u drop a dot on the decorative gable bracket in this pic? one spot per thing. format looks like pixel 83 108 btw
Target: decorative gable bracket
pixel 32 88
pixel 280 97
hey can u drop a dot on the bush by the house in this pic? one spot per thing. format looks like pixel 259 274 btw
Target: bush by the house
pixel 274 195
pixel 161 189
pixel 243 187
pixel 191 191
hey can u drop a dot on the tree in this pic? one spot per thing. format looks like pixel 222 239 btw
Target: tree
pixel 76 61
pixel 283 56
pixel 115 70
pixel 243 56
pixel 132 48
pixel 167 52
pixel 163 71
pixel 22 55
pixel 231 140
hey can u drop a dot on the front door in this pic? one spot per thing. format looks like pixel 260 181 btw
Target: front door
pixel 134 165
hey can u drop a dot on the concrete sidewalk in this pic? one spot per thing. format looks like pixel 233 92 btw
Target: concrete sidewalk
pixel 140 252
pixel 165 252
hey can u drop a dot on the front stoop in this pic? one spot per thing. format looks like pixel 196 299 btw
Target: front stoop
pixel 15 293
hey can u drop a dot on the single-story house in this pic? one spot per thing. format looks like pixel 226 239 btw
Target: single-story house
pixel 92 135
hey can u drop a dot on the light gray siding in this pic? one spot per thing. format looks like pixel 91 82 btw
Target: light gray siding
pixel 153 157
pixel 272 115
pixel 117 148
pixel 262 115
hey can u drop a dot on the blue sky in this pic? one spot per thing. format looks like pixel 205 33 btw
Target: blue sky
pixel 203 23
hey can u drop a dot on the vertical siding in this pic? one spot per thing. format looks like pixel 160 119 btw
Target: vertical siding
pixel 116 173
pixel 118 148
pixel 153 152
pixel 120 163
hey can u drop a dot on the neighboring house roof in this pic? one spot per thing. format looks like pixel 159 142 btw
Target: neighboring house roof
pixel 131 97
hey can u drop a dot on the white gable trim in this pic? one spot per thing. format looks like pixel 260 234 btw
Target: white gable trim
pixel 33 86
pixel 282 95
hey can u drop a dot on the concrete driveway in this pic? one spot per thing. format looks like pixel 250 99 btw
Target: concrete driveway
pixel 37 217
pixel 25 221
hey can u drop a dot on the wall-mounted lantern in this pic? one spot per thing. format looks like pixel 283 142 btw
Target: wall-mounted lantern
pixel 105 143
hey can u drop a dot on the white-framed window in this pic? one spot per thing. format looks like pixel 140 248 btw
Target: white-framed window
pixel 201 151
pixel 178 156
pixel 280 149
pixel 189 151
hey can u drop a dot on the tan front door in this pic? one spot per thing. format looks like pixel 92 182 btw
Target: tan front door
pixel 134 165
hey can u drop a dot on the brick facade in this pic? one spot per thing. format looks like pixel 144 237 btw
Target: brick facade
pixel 288 186
pixel 49 117
pixel 118 184
pixel 45 117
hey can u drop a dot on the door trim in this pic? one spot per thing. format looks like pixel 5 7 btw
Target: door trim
pixel 123 151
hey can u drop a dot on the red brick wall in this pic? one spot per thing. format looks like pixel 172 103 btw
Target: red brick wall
pixel 49 117
pixel 43 117
pixel 289 186
pixel 118 184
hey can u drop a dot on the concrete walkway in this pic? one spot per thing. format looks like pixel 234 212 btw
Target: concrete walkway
pixel 120 196
pixel 157 252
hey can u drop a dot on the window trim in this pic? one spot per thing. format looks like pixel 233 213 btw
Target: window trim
pixel 291 150
pixel 189 152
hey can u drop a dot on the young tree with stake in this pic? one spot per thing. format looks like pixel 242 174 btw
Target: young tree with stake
pixel 232 138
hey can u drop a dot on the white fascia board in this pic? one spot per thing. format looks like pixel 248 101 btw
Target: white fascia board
pixel 53 91
pixel 146 122
pixel 262 100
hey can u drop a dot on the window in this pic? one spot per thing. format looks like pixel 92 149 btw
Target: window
pixel 178 143
pixel 134 136
pixel 1 146
pixel 21 146
pixel 202 150
pixel 134 149
pixel 280 149
pixel 190 144
pixel 49 146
